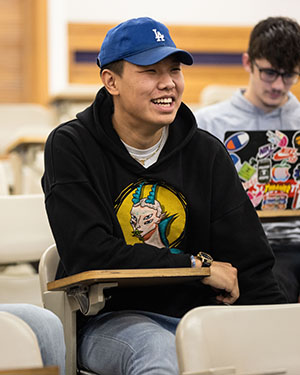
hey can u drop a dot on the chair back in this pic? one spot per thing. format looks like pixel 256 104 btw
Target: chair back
pixel 48 267
pixel 4 177
pixel 237 340
pixel 19 346
pixel 212 94
pixel 25 231
pixel 23 119
pixel 59 303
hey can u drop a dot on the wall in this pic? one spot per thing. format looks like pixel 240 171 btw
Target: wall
pixel 194 12
pixel 23 51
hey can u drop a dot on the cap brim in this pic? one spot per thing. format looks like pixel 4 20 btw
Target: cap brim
pixel 154 55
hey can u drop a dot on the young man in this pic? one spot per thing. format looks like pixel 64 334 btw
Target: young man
pixel 273 64
pixel 132 183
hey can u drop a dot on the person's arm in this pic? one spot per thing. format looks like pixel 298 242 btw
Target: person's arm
pixel 223 279
pixel 236 236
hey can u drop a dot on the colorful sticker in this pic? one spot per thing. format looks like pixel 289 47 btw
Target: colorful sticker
pixel 246 171
pixel 296 173
pixel 272 176
pixel 274 201
pixel 296 141
pixel 280 172
pixel 266 151
pixel 236 161
pixel 255 198
pixel 264 171
pixel 277 138
pixel 288 153
pixel 296 200
pixel 237 141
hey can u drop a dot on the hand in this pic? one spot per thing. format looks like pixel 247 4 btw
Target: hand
pixel 223 278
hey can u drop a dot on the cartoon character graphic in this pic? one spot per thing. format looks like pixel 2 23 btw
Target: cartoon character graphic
pixel 152 212
pixel 148 220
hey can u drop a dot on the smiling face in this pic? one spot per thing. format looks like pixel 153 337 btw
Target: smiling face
pixel 264 95
pixel 147 96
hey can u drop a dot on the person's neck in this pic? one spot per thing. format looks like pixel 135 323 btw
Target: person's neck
pixel 137 136
pixel 259 104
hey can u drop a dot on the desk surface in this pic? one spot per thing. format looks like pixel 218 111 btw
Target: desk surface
pixel 52 370
pixel 279 214
pixel 126 278
pixel 25 141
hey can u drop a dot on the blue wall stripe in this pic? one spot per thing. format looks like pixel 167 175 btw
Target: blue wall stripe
pixel 200 58
pixel 217 58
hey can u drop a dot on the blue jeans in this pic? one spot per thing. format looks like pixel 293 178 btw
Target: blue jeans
pixel 48 329
pixel 129 342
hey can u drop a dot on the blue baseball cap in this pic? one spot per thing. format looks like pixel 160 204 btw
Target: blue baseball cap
pixel 140 41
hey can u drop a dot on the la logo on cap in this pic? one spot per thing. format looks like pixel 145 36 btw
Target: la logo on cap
pixel 158 36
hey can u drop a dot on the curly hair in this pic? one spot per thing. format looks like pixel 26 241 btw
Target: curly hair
pixel 276 39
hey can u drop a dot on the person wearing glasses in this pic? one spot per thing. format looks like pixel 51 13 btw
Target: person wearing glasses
pixel 273 64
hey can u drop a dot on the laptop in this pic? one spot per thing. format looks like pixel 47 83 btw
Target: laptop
pixel 268 164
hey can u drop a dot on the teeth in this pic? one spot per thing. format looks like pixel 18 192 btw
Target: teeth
pixel 163 101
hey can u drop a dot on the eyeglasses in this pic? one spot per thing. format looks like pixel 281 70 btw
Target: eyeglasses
pixel 270 75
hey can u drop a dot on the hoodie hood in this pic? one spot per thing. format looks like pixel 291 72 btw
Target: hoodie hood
pixel 97 119
pixel 288 109
pixel 237 114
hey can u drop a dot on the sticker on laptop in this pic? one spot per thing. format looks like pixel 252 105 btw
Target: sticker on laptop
pixel 268 166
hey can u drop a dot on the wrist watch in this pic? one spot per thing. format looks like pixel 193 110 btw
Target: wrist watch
pixel 205 258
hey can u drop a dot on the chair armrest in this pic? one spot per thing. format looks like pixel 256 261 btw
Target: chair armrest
pixel 127 278
pixel 87 287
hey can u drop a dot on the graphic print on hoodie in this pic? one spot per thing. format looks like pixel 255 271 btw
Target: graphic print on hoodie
pixel 152 213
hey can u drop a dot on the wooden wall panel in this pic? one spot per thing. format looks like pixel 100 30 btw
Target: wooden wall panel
pixel 195 39
pixel 211 38
pixel 23 51
pixel 11 24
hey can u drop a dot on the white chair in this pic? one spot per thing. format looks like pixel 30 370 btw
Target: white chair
pixel 4 178
pixel 241 340
pixel 25 232
pixel 24 128
pixel 63 305
pixel 85 292
pixel 19 347
pixel 23 119
pixel 212 94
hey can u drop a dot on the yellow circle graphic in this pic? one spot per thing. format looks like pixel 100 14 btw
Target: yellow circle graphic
pixel 170 203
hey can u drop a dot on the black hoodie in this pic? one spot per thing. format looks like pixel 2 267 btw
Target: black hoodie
pixel 95 192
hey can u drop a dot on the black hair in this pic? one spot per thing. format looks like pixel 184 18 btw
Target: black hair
pixel 276 39
pixel 116 66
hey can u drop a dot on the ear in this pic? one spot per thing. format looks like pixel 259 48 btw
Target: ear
pixel 109 80
pixel 246 62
